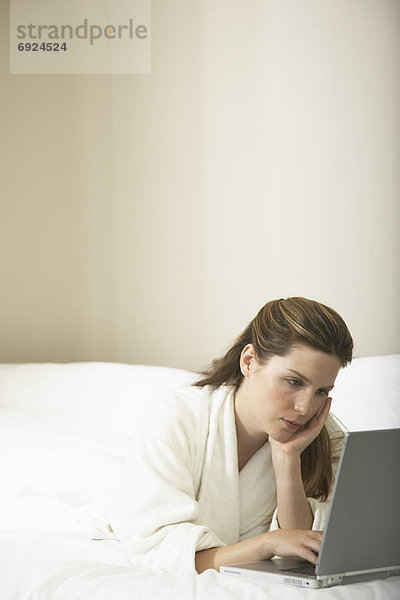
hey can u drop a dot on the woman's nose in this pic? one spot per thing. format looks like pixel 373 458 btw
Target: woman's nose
pixel 304 403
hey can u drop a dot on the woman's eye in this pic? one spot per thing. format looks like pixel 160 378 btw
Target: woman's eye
pixel 294 381
pixel 322 392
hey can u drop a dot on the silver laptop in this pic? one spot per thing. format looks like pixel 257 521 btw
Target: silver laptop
pixel 361 540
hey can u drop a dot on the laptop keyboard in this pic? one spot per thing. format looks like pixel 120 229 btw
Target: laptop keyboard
pixel 306 569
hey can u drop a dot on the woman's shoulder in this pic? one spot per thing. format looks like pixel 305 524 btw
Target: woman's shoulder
pixel 187 408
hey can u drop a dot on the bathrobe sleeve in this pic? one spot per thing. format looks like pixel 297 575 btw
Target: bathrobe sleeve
pixel 320 509
pixel 154 510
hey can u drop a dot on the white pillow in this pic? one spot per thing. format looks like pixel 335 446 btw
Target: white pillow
pixel 97 395
pixel 367 393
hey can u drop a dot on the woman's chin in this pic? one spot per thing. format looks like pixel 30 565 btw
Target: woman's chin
pixel 281 436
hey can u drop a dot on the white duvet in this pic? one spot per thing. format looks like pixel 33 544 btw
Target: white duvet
pixel 65 566
pixel 55 543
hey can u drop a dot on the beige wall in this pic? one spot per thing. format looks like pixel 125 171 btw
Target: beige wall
pixel 147 218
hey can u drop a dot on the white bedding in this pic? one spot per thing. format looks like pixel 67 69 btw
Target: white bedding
pixel 64 566
pixel 55 542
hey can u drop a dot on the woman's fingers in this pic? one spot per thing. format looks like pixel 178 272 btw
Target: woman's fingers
pixel 312 550
pixel 326 408
pixel 301 543
pixel 308 555
pixel 318 421
pixel 320 417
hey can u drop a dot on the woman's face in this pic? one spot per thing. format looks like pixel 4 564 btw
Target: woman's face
pixel 280 396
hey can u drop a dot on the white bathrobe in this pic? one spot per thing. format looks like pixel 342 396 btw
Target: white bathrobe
pixel 182 491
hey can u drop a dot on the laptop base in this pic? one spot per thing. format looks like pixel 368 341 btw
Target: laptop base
pixel 280 571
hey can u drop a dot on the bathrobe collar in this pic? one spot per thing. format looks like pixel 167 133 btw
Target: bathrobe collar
pixel 220 478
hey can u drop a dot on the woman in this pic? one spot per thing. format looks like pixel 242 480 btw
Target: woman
pixel 239 466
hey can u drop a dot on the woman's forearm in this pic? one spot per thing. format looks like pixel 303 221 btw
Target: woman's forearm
pixel 293 509
pixel 253 549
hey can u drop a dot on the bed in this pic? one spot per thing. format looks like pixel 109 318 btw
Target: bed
pixel 64 431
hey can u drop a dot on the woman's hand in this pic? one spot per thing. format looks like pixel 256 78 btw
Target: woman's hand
pixel 294 543
pixel 305 435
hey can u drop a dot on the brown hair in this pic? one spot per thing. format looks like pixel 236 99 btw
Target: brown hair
pixel 277 327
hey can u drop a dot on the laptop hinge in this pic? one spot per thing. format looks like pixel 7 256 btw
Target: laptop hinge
pixel 328 580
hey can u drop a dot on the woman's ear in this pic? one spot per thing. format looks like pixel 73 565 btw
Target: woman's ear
pixel 248 359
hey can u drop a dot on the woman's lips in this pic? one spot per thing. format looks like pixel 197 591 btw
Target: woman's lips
pixel 291 424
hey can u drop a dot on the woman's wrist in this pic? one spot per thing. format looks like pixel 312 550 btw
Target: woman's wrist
pixel 287 467
pixel 250 550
